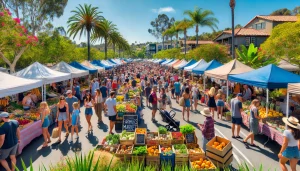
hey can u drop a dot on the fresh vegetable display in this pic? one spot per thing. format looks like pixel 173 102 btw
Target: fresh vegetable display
pixel 153 150
pixel 112 139
pixel 165 137
pixel 131 107
pixel 162 130
pixel 121 108
pixel 194 149
pixel 140 131
pixel 23 121
pixel 218 145
pixel 202 163
pixel 166 151
pixel 127 135
pixel 180 149
pixel 125 149
pixel 34 116
pixel 126 107
pixel 120 98
pixel 152 136
pixel 177 136
pixel 187 129
pixel 107 148
pixel 139 150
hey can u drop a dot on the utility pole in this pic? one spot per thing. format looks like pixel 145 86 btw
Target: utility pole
pixel 232 6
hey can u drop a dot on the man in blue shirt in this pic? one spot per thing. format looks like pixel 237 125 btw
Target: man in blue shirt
pixel 9 139
pixel 177 90
pixel 104 92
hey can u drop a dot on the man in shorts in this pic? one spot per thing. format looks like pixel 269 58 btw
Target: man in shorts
pixel 110 104
pixel 177 90
pixel 154 102
pixel 236 110
pixel 70 100
pixel 104 92
pixel 9 139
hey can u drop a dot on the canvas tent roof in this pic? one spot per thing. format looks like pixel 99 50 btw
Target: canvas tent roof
pixel 232 67
pixel 99 63
pixel 288 66
pixel 113 62
pixel 167 61
pixel 191 67
pixel 269 76
pixel 10 84
pixel 173 62
pixel 294 88
pixel 41 72
pixel 191 62
pixel 66 68
pixel 163 60
pixel 183 62
pixel 106 63
pixel 200 69
pixel 110 63
pixel 82 67
pixel 88 64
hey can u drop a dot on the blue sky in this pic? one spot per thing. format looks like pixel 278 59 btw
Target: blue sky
pixel 133 17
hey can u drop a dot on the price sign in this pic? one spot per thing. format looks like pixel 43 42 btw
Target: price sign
pixel 140 139
pixel 130 122
pixel 190 138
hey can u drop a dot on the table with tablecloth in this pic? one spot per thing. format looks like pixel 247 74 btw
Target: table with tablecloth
pixel 29 133
pixel 265 129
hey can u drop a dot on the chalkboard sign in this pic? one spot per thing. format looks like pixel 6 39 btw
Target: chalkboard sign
pixel 190 138
pixel 140 139
pixel 130 122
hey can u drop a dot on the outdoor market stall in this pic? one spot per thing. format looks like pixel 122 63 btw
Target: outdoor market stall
pixel 107 63
pixel 88 64
pixel 268 77
pixel 167 61
pixel 170 64
pixel 191 67
pixel 98 63
pixel 288 66
pixel 182 63
pixel 176 63
pixel 82 67
pixel 191 62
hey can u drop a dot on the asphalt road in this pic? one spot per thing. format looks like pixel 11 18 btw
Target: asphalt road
pixel 253 157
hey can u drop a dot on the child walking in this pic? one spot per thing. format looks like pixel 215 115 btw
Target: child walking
pixel 75 119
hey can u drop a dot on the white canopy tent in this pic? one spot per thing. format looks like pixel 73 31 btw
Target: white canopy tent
pixel 190 68
pixel 66 68
pixel 173 62
pixel 182 63
pixel 167 61
pixel 106 63
pixel 293 88
pixel 10 84
pixel 88 64
pixel 38 71
pixel 288 66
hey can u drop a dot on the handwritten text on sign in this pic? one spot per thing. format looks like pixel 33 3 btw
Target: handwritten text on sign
pixel 130 122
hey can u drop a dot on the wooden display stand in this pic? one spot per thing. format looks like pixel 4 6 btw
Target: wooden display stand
pixel 124 157
pixel 195 155
pixel 175 138
pixel 181 159
pixel 138 158
pixel 195 159
pixel 150 142
pixel 165 142
pixel 219 157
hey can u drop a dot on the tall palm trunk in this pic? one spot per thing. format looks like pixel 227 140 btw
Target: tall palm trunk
pixel 105 47
pixel 177 40
pixel 89 46
pixel 163 42
pixel 114 47
pixel 184 43
pixel 197 30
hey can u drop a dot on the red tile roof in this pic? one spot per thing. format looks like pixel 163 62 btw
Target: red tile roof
pixel 200 42
pixel 247 32
pixel 281 18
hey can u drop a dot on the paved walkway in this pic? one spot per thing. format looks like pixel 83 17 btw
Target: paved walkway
pixel 56 153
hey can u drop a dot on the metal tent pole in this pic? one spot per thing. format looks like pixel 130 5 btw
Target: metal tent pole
pixel 227 92
pixel 267 104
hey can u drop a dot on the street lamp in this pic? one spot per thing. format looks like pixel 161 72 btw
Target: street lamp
pixel 232 5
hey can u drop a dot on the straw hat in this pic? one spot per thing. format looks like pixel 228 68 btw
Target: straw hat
pixel 206 112
pixel 291 121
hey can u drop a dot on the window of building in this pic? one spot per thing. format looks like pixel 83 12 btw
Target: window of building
pixel 253 40
pixel 263 25
pixel 247 41
pixel 259 26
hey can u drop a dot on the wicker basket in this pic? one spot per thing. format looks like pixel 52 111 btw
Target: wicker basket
pixel 124 157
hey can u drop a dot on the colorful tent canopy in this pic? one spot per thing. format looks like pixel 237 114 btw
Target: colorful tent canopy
pixel 82 67
pixel 10 85
pixel 98 63
pixel 200 69
pixel 167 61
pixel 191 67
pixel 110 63
pixel 88 64
pixel 232 67
pixel 163 60
pixel 113 62
pixel 269 76
pixel 66 68
pixel 182 62
pixel 288 66
pixel 40 72
pixel 106 63
pixel 173 62
pixel 191 62
pixel 176 63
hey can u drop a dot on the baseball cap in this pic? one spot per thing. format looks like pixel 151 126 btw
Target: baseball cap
pixel 240 95
pixel 69 92
pixel 4 115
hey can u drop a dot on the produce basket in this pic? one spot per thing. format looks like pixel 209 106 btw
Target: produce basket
pixel 108 148
pixel 124 152
pixel 167 155
pixel 127 138
pixel 141 151
pixel 177 138
pixel 153 156
pixel 219 149
pixel 165 139
pixel 195 151
pixel 181 154
pixel 152 138
pixel 203 163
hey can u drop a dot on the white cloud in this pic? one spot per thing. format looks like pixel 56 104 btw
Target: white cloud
pixel 163 10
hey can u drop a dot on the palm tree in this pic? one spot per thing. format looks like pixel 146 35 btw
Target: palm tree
pixel 170 33
pixel 202 18
pixel 184 25
pixel 232 6
pixel 178 30
pixel 85 19
pixel 105 31
pixel 115 38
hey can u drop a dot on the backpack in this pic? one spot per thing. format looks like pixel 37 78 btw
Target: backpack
pixel 150 98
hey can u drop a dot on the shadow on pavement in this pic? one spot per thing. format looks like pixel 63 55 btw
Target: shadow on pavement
pixel 222 125
pixel 64 147
pixel 76 146
pixel 142 124
pixel 92 139
pixel 103 126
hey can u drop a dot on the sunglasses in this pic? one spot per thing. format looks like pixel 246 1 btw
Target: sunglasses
pixel 62 99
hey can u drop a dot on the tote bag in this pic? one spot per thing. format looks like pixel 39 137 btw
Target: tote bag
pixel 181 101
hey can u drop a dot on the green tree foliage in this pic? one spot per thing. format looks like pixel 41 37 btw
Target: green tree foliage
pixel 283 11
pixel 202 18
pixel 284 43
pixel 296 10
pixel 184 25
pixel 14 39
pixel 209 52
pixel 169 53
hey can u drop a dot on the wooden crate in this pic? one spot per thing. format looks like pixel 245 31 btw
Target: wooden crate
pixel 195 159
pixel 152 160
pixel 152 142
pixel 140 159
pixel 179 156
pixel 165 142
pixel 124 157
pixel 181 163
pixel 127 142
pixel 177 141
pixel 222 165
pixel 144 129
pixel 197 155
pixel 216 154
pixel 195 139
pixel 107 148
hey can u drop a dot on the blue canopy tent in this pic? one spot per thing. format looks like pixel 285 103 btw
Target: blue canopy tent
pixel 205 67
pixel 160 62
pixel 191 62
pixel 166 63
pixel 113 62
pixel 98 63
pixel 82 67
pixel 269 77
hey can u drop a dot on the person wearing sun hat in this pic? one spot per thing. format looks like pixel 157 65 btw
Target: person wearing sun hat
pixel 208 128
pixel 290 148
